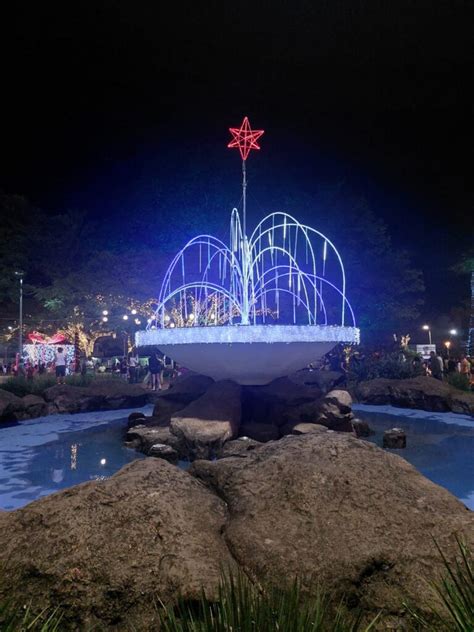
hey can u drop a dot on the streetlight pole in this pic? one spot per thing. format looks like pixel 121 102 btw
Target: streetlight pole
pixel 428 329
pixel 20 275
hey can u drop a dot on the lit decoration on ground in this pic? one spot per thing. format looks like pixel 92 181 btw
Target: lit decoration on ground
pixel 39 353
pixel 36 337
pixel 285 284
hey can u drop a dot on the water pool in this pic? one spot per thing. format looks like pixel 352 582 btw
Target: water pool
pixel 439 445
pixel 41 456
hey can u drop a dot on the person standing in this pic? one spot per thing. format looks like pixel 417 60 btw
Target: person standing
pixel 465 365
pixel 155 366
pixel 124 368
pixel 436 366
pixel 133 368
pixel 60 364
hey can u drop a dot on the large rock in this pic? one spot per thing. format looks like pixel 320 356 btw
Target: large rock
pixel 105 551
pixel 64 398
pixel 324 380
pixel 12 407
pixel 331 509
pixel 208 422
pixel 302 428
pixel 425 393
pixel 335 411
pixel 144 437
pixel 164 451
pixel 101 394
pixel 185 389
pixel 239 447
pixel 181 392
pixel 332 411
pixel 35 406
pixel 118 393
pixel 260 432
pixel 276 402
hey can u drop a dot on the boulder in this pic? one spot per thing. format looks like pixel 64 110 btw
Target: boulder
pixel 461 402
pixel 72 399
pixel 118 394
pixel 361 428
pixel 185 389
pixel 302 428
pixel 395 438
pixel 276 402
pixel 425 393
pixel 102 394
pixel 143 438
pixel 12 408
pixel 239 447
pixel 134 419
pixel 106 550
pixel 164 409
pixel 324 380
pixel 339 512
pixel 163 451
pixel 333 411
pixel 260 432
pixel 209 421
pixel 35 406
pixel 341 399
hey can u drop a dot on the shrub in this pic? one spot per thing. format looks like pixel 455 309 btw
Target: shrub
pixel 390 366
pixel 458 380
pixel 21 386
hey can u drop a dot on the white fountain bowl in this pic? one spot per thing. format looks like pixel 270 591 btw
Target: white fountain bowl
pixel 247 354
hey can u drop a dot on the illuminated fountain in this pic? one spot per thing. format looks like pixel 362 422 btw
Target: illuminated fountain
pixel 220 305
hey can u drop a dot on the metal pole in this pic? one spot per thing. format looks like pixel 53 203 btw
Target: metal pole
pixel 244 198
pixel 20 337
pixel 429 335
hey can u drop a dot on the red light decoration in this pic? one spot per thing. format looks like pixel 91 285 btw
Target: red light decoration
pixel 36 337
pixel 245 138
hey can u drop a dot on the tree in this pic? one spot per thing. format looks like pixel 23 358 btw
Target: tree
pixel 466 266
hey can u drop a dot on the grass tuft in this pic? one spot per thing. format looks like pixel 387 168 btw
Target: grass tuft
pixel 23 619
pixel 242 607
pixel 455 590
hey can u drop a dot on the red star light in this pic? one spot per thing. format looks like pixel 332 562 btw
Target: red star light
pixel 244 138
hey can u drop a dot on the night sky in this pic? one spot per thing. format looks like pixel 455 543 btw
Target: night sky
pixel 102 99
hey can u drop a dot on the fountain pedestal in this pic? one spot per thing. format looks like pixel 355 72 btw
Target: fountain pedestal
pixel 249 355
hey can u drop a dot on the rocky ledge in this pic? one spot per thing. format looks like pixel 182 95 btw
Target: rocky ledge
pixel 99 395
pixel 324 507
pixel 197 416
pixel 424 393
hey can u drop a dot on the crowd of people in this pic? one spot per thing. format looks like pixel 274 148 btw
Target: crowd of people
pixel 441 368
pixel 150 372
pixel 348 360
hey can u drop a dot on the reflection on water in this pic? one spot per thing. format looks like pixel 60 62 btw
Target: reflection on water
pixel 443 452
pixel 41 456
pixel 44 455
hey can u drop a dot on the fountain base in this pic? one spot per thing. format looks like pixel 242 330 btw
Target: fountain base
pixel 251 354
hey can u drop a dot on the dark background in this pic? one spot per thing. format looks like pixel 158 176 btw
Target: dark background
pixel 107 103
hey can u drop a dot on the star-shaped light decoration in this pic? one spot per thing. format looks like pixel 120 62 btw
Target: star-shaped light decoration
pixel 245 138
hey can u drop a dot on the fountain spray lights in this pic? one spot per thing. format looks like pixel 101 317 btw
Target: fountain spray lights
pixel 248 281
pixel 283 272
